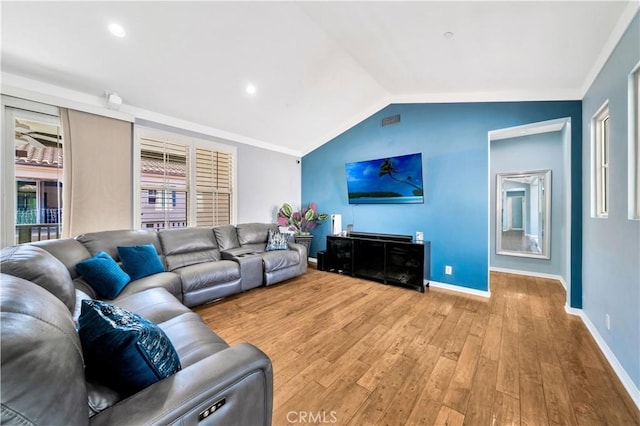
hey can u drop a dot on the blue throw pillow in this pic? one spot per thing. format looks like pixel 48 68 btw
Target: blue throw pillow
pixel 122 349
pixel 140 261
pixel 277 241
pixel 104 275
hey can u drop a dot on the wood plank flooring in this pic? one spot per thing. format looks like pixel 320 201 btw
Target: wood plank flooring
pixel 352 352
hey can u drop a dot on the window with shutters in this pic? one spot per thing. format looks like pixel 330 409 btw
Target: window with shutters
pixel 164 184
pixel 183 181
pixel 213 187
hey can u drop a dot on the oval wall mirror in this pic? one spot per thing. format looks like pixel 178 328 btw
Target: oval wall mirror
pixel 523 214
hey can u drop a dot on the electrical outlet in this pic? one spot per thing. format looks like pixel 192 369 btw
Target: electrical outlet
pixel 419 236
pixel 448 270
pixel 607 320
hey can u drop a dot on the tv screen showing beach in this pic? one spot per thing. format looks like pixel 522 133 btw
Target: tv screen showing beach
pixel 396 180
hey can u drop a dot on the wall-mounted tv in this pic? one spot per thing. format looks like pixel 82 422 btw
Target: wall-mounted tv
pixel 394 180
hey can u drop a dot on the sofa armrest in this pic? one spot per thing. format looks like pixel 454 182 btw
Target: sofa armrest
pixel 302 251
pixel 233 253
pixel 251 269
pixel 237 380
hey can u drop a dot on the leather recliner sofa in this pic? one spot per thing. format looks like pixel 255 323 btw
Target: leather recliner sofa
pixel 43 369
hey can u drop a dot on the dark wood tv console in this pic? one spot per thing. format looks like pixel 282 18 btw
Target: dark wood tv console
pixel 387 258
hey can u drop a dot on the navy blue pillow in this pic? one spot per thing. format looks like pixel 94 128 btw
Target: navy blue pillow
pixel 277 241
pixel 122 349
pixel 140 261
pixel 104 275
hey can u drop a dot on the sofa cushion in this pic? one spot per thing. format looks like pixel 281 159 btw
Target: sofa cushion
pixel 276 241
pixel 188 246
pixel 42 376
pixel 192 338
pixel 101 397
pixel 154 304
pixel 123 349
pixel 208 274
pixel 275 260
pixel 140 261
pixel 226 236
pixel 170 281
pixel 104 274
pixel 39 266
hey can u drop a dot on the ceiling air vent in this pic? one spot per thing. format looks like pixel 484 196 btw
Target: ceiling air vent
pixel 391 120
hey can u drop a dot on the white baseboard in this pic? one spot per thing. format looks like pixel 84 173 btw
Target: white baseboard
pixel 459 289
pixel 532 274
pixel 628 384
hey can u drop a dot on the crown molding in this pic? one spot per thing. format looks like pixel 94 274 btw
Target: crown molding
pixel 38 91
pixel 616 34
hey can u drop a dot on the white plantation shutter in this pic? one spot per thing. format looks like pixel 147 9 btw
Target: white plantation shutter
pixel 164 187
pixel 183 181
pixel 213 187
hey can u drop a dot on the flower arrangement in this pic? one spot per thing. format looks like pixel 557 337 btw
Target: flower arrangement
pixel 301 221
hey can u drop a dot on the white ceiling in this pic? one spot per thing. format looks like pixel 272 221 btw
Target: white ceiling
pixel 319 67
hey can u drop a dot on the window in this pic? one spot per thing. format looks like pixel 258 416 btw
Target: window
pixel 163 171
pixel 184 181
pixel 213 187
pixel 35 140
pixel 600 150
pixel 634 143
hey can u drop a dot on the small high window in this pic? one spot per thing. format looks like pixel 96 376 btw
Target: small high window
pixel 600 153
pixel 634 143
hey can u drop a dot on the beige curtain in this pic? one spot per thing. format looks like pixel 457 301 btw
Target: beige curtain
pixel 98 184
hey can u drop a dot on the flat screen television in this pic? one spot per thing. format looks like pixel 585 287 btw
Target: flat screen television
pixel 392 180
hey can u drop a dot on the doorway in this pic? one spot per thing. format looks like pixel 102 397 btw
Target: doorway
pixel 532 147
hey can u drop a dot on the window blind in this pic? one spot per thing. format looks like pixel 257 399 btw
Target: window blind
pixel 164 186
pixel 213 187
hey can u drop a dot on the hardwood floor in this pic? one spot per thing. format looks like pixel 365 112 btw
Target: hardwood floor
pixel 353 352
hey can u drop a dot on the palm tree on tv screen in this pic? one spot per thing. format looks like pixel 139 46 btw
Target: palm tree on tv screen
pixel 388 169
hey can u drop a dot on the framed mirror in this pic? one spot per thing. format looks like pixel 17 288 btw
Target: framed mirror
pixel 523 214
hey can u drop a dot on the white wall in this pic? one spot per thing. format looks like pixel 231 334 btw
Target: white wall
pixel 266 180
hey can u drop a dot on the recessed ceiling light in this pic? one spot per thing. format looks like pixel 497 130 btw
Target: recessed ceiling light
pixel 447 35
pixel 117 30
pixel 251 89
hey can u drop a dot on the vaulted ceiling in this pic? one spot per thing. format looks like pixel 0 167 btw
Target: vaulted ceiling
pixel 318 67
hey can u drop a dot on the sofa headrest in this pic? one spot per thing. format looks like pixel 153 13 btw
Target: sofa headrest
pixel 226 236
pixel 41 355
pixel 40 267
pixel 68 251
pixel 188 246
pixel 108 241
pixel 254 233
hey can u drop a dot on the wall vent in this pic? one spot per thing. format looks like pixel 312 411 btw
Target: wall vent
pixel 391 120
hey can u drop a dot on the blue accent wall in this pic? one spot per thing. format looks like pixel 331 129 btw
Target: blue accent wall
pixel 612 245
pixel 453 140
